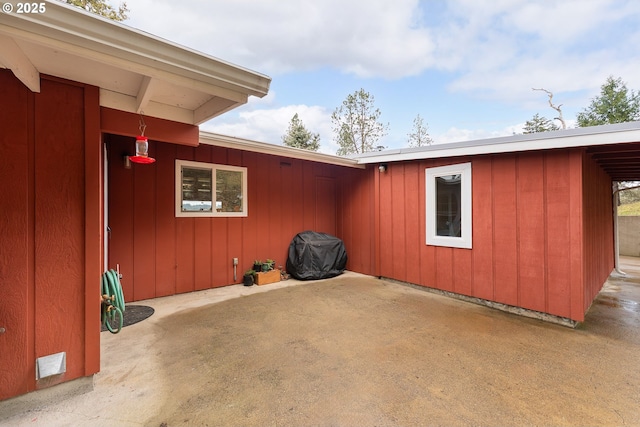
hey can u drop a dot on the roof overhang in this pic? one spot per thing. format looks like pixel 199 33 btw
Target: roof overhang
pixel 605 135
pixel 135 71
pixel 218 140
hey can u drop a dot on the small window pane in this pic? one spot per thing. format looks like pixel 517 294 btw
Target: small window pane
pixel 210 190
pixel 229 197
pixel 448 206
pixel 196 190
pixel 448 212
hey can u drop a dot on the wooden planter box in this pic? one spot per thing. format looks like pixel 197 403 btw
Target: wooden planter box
pixel 264 278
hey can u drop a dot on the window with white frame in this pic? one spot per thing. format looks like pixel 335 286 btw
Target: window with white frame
pixel 210 190
pixel 448 206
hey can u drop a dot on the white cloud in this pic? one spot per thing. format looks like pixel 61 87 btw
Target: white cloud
pixel 376 38
pixel 269 125
pixel 497 49
pixel 455 134
pixel 485 52
pixel 502 49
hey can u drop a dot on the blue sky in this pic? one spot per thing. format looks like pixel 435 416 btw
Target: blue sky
pixel 467 67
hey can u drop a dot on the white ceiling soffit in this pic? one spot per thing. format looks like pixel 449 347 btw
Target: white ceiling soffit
pixel 578 137
pixel 134 70
pixel 218 140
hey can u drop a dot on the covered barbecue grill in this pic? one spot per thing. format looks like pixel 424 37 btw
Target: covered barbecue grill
pixel 314 256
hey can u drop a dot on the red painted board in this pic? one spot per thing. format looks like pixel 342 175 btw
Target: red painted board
pixel 398 195
pixel 165 232
pixel 462 271
pixel 444 268
pixel 505 237
pixel 16 228
pixel 414 231
pixel 558 214
pixel 385 224
pixel 483 229
pixel 59 223
pixel 531 231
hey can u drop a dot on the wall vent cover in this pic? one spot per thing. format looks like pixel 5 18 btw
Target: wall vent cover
pixel 54 364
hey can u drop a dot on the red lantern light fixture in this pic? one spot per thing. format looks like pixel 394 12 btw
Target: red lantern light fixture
pixel 142 146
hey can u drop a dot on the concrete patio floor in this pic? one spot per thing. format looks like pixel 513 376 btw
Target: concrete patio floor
pixel 355 350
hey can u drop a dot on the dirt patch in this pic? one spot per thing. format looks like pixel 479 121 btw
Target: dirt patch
pixel 366 352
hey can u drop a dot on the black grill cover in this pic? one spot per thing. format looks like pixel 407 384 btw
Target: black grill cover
pixel 314 256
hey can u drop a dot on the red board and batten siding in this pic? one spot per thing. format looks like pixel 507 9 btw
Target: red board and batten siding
pixel 50 250
pixel 356 219
pixel 161 255
pixel 543 233
pixel 530 213
pixel 597 229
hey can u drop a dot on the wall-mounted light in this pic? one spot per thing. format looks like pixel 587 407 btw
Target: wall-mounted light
pixel 142 146
pixel 382 168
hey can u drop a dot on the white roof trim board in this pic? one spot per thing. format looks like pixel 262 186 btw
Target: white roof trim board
pixel 578 137
pixel 134 70
pixel 219 140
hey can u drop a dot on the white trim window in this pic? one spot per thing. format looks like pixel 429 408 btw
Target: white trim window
pixel 448 206
pixel 210 190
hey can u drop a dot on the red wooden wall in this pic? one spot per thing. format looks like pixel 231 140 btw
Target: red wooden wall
pixel 50 244
pixel 356 219
pixel 530 213
pixel 161 255
pixel 542 224
pixel 597 230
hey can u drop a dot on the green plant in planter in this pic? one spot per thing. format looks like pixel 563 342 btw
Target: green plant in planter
pixel 271 264
pixel 257 265
pixel 247 279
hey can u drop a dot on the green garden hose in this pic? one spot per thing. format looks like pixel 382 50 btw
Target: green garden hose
pixel 113 308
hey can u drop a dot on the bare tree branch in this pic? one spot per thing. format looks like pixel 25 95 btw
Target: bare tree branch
pixel 557 108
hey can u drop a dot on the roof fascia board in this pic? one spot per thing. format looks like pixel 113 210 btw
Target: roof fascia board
pixel 584 137
pixel 209 138
pixel 75 31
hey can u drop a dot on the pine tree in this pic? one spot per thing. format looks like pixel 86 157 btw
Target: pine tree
pixel 539 124
pixel 356 126
pixel 299 137
pixel 616 104
pixel 419 136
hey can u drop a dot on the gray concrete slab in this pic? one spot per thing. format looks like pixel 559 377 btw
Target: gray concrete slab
pixel 355 350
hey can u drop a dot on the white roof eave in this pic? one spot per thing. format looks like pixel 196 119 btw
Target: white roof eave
pixel 209 138
pixel 89 37
pixel 578 137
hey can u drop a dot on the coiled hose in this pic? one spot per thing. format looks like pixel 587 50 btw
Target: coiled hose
pixel 113 306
